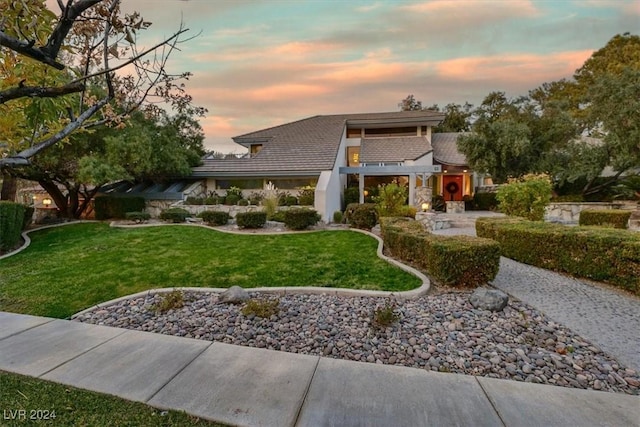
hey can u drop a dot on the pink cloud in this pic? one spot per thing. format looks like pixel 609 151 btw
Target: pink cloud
pixel 496 8
pixel 286 91
pixel 517 67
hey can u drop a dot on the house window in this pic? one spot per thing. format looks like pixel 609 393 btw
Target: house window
pixel 387 132
pixel 244 184
pixel 293 183
pixel 255 149
pixel 353 156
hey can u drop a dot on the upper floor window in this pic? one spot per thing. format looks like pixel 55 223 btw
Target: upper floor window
pixel 353 156
pixel 386 132
pixel 354 133
pixel 255 149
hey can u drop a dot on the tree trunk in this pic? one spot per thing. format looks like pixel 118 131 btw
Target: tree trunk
pixel 9 187
pixel 57 196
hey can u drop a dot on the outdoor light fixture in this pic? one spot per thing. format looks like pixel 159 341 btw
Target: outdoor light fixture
pixel 46 202
pixel 366 193
pixel 465 171
pixel 445 171
pixel 425 207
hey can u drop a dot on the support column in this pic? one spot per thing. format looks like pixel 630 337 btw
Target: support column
pixel 361 187
pixel 412 189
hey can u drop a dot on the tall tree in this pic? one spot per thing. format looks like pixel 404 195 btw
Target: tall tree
pixel 457 117
pixel 156 149
pixel 49 62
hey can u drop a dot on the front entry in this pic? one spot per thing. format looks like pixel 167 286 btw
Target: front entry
pixel 452 187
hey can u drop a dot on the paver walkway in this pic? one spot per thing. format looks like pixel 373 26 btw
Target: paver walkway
pixel 257 387
pixel 606 317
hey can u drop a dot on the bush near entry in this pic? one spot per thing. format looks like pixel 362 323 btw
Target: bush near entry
pixel 604 254
pixel 450 260
pixel 299 219
pixel 363 216
pixel 605 218
pixel 11 220
pixel 526 197
pixel 251 219
pixel 214 217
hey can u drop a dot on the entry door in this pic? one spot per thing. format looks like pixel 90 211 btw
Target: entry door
pixel 452 187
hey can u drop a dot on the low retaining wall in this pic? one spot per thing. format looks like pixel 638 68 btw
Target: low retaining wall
pixel 569 213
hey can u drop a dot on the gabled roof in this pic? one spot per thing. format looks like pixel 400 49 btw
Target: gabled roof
pixel 309 145
pixel 445 149
pixel 393 149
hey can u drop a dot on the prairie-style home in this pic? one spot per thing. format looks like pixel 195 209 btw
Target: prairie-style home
pixel 333 152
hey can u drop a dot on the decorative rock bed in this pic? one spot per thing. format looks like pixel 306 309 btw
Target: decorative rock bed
pixel 437 332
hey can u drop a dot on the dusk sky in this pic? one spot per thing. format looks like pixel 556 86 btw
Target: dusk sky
pixel 262 63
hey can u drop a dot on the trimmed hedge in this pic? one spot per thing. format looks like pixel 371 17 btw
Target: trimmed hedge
pixel 363 216
pixel 214 217
pixel 299 219
pixel 450 260
pixel 138 217
pixel 251 219
pixel 485 201
pixel 11 220
pixel 111 206
pixel 603 254
pixel 175 215
pixel 605 218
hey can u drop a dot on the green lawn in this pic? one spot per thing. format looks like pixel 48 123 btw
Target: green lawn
pixel 68 406
pixel 67 269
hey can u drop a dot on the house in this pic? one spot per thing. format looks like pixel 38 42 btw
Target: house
pixel 333 152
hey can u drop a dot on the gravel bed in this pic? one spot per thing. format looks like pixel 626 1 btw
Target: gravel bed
pixel 437 332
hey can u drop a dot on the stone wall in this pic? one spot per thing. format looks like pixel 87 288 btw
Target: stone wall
pixel 569 213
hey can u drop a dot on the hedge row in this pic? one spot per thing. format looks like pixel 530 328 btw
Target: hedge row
pixel 11 220
pixel 110 206
pixel 605 218
pixel 450 260
pixel 602 254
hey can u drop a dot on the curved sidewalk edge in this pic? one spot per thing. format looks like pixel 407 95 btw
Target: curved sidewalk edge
pixel 287 290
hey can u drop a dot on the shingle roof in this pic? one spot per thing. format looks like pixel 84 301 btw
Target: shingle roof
pixel 307 145
pixel 393 149
pixel 445 149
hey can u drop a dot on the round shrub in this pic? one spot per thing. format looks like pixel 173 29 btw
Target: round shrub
pixel 231 199
pixel 243 202
pixel 307 197
pixel 138 217
pixel 299 219
pixel 361 216
pixel 194 201
pixel 174 215
pixel 337 217
pixel 526 197
pixel 351 195
pixel 214 217
pixel 251 219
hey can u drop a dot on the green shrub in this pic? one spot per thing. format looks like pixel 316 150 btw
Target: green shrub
pixel 337 217
pixel 351 195
pixel 170 301
pixel 138 217
pixel 214 217
pixel 261 308
pixel 251 219
pixel 243 202
pixel 385 316
pixel 299 219
pixel 282 197
pixel 11 220
pixel 231 199
pixel 28 216
pixel 116 206
pixel 363 216
pixel 408 211
pixel 390 200
pixel 485 201
pixel 255 197
pixel 278 216
pixel 604 254
pixel 270 205
pixel 605 218
pixel 290 201
pixel 450 260
pixel 306 197
pixel 175 215
pixel 235 191
pixel 526 197
pixel 194 201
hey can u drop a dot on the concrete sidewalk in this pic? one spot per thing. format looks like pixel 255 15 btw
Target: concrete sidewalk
pixel 257 387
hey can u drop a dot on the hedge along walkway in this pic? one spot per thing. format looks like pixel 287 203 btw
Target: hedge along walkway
pixel 91 263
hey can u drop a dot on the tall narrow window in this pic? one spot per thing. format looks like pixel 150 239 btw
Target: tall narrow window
pixel 353 156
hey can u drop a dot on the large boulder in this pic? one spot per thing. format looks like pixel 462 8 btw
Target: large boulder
pixel 489 299
pixel 234 295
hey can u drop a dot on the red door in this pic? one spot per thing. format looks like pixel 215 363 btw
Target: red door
pixel 452 187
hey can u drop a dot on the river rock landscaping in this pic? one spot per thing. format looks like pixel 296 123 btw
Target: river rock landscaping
pixel 441 332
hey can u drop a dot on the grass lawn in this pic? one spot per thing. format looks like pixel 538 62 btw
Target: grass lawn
pixel 74 407
pixel 67 269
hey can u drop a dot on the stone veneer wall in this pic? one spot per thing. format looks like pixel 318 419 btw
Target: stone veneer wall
pixel 569 213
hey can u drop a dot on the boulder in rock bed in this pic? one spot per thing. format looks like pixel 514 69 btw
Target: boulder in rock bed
pixel 489 299
pixel 234 295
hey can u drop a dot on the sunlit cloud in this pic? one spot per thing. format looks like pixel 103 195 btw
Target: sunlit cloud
pixel 466 8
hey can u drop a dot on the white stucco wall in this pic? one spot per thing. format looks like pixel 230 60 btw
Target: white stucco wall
pixel 328 196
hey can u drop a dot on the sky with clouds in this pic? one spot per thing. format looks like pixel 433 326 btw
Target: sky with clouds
pixel 257 64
